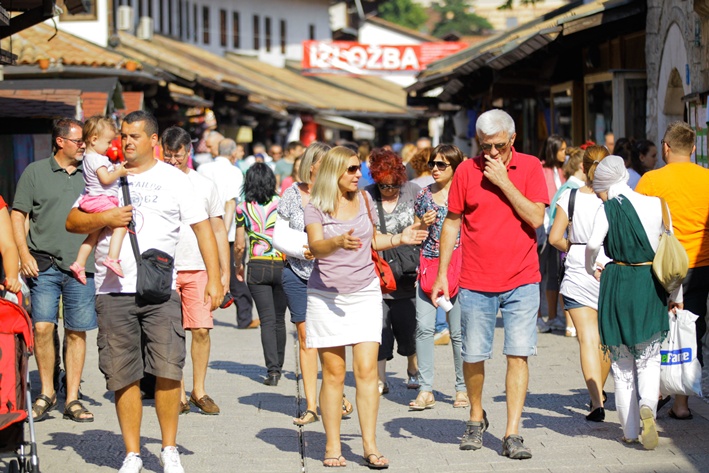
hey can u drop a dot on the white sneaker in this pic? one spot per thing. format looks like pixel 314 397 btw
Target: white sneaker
pixel 132 463
pixel 542 326
pixel 170 460
pixel 557 323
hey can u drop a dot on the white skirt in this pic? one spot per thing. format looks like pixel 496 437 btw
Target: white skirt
pixel 336 320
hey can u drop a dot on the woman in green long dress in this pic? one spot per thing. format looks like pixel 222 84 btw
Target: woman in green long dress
pixel 632 305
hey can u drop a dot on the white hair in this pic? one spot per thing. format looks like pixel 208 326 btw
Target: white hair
pixel 493 122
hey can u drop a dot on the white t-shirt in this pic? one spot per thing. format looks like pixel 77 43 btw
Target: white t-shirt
pixel 188 256
pixel 163 198
pixel 92 162
pixel 578 284
pixel 229 181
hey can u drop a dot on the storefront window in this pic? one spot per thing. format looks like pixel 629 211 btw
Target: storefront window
pixel 615 101
pixel 599 110
pixel 562 112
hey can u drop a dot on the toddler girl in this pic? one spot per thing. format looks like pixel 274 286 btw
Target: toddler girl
pixel 101 177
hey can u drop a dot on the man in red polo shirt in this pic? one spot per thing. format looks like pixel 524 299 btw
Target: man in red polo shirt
pixel 499 199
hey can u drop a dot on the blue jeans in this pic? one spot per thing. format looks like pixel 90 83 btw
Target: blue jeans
pixel 425 328
pixel 78 299
pixel 519 307
pixel 296 290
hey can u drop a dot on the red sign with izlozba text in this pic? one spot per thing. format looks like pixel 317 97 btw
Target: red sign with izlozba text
pixel 348 57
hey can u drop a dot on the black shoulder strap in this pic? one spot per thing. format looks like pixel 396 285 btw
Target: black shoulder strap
pixel 572 202
pixel 131 225
pixel 380 210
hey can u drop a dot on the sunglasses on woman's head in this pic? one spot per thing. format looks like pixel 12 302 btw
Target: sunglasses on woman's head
pixel 354 168
pixel 441 165
pixel 385 187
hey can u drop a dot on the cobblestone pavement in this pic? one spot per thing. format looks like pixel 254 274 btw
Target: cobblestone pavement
pixel 254 432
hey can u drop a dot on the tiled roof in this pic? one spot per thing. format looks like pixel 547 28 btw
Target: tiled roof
pixel 34 43
pixel 376 96
pixel 193 64
pixel 274 87
pixel 42 103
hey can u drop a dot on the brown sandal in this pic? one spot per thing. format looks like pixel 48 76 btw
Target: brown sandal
pixel 75 414
pixel 41 412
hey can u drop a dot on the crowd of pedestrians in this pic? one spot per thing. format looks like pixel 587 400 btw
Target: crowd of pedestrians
pixel 296 228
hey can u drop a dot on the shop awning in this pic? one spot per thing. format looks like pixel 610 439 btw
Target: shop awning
pixel 360 131
pixel 504 49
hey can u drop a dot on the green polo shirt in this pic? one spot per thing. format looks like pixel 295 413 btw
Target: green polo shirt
pixel 47 193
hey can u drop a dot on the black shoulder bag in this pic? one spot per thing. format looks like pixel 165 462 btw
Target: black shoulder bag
pixel 404 259
pixel 572 201
pixel 155 267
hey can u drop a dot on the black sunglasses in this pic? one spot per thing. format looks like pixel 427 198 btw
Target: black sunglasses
pixel 498 146
pixel 385 187
pixel 441 165
pixel 354 168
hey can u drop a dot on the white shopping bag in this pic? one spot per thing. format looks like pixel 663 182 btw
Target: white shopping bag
pixel 681 372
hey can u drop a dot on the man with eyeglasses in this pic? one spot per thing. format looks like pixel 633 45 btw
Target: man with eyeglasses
pixel 46 193
pixel 498 198
pixel 192 273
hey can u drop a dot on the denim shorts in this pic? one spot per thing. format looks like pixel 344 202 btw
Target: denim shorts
pixel 519 308
pixel 78 299
pixel 296 289
pixel 570 303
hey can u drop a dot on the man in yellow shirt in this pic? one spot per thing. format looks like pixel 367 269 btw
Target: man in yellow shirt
pixel 685 187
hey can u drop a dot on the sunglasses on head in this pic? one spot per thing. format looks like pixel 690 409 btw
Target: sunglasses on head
pixel 441 165
pixel 354 168
pixel 498 146
pixel 388 186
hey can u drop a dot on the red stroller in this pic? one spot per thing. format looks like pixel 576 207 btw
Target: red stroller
pixel 16 346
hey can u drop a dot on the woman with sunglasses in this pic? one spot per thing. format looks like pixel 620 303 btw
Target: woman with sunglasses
pixel 394 199
pixel 430 211
pixel 290 238
pixel 344 297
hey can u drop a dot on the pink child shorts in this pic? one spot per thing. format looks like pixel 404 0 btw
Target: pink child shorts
pixel 98 203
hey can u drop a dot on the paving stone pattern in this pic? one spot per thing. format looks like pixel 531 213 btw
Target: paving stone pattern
pixel 254 432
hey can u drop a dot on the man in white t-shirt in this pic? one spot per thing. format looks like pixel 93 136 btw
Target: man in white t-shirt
pixel 191 272
pixel 162 199
pixel 229 181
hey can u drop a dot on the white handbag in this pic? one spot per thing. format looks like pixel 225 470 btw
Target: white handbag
pixel 680 372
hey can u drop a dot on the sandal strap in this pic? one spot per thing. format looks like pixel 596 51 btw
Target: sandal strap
pixel 76 412
pixel 47 400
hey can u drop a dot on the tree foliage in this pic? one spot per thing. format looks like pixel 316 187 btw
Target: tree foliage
pixel 456 18
pixel 508 4
pixel 403 12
